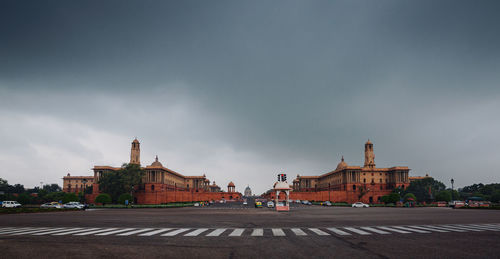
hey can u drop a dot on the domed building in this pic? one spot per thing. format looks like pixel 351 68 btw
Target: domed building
pixel 248 192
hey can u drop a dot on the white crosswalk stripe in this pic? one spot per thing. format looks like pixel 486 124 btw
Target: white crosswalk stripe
pixel 16 230
pixel 152 233
pixel 134 232
pixel 30 232
pixel 431 229
pixel 339 232
pixel 298 232
pixel 278 232
pixel 357 231
pixel 196 232
pixel 216 232
pixel 74 231
pixel 257 232
pixel 175 232
pixel 378 231
pixel 94 232
pixel 54 231
pixel 463 228
pixel 319 232
pixel 118 232
pixel 237 232
pixel 411 229
pixel 443 228
pixel 486 227
pixel 394 230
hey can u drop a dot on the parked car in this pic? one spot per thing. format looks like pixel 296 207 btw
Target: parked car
pixel 245 202
pixel 258 204
pixel 73 205
pixel 197 204
pixel 280 204
pixel 53 204
pixel 326 203
pixel 360 205
pixel 306 202
pixel 270 204
pixel 11 204
pixel 297 201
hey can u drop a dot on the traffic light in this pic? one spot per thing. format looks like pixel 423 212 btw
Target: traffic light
pixel 279 177
pixel 283 177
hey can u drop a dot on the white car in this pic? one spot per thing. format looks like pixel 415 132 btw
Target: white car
pixel 270 204
pixel 197 204
pixel 360 205
pixel 245 202
pixel 73 205
pixel 11 204
pixel 54 205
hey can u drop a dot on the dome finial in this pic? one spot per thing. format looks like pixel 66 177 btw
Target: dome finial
pixel 342 158
pixel 156 159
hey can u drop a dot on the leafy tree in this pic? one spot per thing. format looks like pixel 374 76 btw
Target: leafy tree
pixel 4 185
pixel 17 188
pixel 24 198
pixel 103 198
pixel 425 189
pixel 118 182
pixel 54 196
pixel 408 196
pixel 52 188
pixel 444 196
pixel 69 197
pixel 124 197
pixel 391 198
pixel 495 197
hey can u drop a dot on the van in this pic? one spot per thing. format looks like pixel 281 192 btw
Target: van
pixel 11 204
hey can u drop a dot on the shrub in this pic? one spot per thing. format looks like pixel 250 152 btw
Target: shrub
pixel 24 198
pixel 408 196
pixel 103 198
pixel 69 197
pixel 124 197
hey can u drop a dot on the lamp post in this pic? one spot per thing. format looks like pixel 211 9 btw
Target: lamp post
pixel 132 193
pixel 452 182
pixel 83 189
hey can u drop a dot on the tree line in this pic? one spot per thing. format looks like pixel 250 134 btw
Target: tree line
pixel 36 195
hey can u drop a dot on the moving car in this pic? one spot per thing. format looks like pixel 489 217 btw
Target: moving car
pixel 245 202
pixel 196 204
pixel 11 204
pixel 258 204
pixel 306 202
pixel 297 201
pixel 270 204
pixel 360 205
pixel 73 205
pixel 53 204
pixel 326 203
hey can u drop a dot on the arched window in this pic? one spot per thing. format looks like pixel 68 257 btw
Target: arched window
pixel 364 180
pixel 354 187
pixel 152 187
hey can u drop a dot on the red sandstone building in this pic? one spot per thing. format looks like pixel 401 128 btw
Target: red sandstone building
pixel 163 185
pixel 351 183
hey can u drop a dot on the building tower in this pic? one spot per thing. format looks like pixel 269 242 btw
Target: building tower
pixel 369 155
pixel 135 152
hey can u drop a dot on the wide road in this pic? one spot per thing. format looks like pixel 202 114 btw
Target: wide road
pixel 233 230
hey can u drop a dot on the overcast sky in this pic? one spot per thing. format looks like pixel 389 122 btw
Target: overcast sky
pixel 242 90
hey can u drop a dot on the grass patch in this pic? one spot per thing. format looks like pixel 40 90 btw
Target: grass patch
pixel 168 205
pixel 31 210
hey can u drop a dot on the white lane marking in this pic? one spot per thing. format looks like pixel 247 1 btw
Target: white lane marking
pixel 16 230
pixel 411 229
pixel 278 232
pixel 257 232
pixel 298 232
pixel 196 232
pixel 462 228
pixel 75 231
pixel 485 227
pixel 216 232
pixel 134 232
pixel 33 231
pixel 431 229
pixel 237 232
pixel 357 231
pixel 394 230
pixel 339 232
pixel 375 230
pixel 155 232
pixel 449 229
pixel 175 232
pixel 94 232
pixel 319 232
pixel 107 233
pixel 55 231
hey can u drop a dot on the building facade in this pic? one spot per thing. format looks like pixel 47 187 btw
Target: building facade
pixel 347 183
pixel 161 184
pixel 77 184
pixel 248 192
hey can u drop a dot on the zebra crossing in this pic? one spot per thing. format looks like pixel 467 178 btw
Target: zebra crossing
pixel 344 231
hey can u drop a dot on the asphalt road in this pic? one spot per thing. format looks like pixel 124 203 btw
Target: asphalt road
pixel 233 230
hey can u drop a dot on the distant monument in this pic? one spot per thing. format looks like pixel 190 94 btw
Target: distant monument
pixel 248 192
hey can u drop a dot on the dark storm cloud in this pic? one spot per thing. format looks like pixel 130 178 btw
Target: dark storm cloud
pixel 287 85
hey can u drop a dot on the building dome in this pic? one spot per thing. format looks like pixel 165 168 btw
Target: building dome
pixel 135 141
pixel 368 142
pixel 248 191
pixel 156 163
pixel 342 164
pixel 231 184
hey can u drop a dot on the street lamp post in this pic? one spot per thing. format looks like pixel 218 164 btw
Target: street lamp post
pixel 132 194
pixel 83 189
pixel 452 182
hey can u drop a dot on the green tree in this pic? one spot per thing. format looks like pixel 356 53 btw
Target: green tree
pixel 444 195
pixel 4 185
pixel 118 182
pixel 495 197
pixel 391 198
pixel 409 196
pixel 16 188
pixel 425 189
pixel 69 197
pixel 103 198
pixel 24 198
pixel 54 196
pixel 52 188
pixel 124 197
